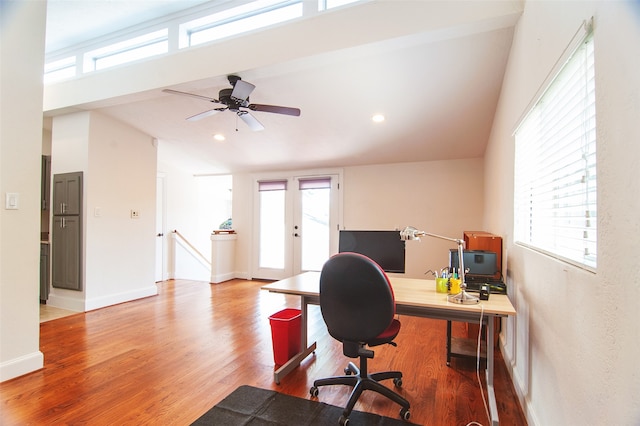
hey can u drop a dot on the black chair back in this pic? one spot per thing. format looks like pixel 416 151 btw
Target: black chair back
pixel 356 298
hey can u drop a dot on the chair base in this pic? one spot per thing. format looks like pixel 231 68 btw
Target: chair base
pixel 362 381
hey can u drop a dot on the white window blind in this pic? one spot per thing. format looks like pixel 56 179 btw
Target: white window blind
pixel 555 165
pixel 315 183
pixel 272 185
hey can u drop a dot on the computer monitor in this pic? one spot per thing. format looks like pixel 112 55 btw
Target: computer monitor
pixel 383 247
pixel 478 262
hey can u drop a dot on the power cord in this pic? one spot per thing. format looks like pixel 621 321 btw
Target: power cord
pixel 484 400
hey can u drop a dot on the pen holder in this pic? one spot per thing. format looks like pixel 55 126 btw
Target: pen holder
pixel 454 285
pixel 442 285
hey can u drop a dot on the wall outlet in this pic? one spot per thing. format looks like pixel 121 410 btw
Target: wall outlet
pixel 135 214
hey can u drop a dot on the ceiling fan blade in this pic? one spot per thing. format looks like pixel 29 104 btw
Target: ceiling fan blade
pixel 251 121
pixel 242 90
pixel 193 95
pixel 275 109
pixel 202 115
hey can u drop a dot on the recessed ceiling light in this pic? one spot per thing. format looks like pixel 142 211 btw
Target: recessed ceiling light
pixel 378 118
pixel 219 137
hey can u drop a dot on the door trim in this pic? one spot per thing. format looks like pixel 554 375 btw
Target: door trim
pixel 292 178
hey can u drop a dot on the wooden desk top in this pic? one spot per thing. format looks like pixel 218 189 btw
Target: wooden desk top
pixel 409 292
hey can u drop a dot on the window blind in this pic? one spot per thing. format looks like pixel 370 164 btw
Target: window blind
pixel 555 165
pixel 315 183
pixel 272 185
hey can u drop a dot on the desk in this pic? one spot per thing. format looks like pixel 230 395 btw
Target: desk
pixel 415 297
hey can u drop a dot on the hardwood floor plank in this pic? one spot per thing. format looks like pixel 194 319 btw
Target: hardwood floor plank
pixel 167 359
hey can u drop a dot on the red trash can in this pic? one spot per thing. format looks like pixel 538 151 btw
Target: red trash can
pixel 285 333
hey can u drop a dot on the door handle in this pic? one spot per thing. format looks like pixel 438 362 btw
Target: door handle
pixel 160 235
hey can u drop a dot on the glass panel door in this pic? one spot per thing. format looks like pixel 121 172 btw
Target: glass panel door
pixel 312 245
pixel 271 245
pixel 272 224
pixel 296 223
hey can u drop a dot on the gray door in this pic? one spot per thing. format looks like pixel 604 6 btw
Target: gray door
pixel 66 255
pixel 67 193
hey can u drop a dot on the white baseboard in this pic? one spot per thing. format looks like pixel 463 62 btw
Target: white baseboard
pixel 69 303
pixel 218 278
pixel 21 366
pixel 242 275
pixel 114 299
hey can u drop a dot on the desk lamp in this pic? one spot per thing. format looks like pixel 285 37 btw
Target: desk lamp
pixel 463 298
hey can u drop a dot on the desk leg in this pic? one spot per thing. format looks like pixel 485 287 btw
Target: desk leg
pixel 493 408
pixel 297 359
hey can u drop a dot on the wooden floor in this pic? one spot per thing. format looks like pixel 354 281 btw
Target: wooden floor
pixel 165 360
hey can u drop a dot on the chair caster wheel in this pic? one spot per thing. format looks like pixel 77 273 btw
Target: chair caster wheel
pixel 313 391
pixel 343 421
pixel 398 382
pixel 405 414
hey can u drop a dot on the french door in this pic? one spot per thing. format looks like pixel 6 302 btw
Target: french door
pixel 296 224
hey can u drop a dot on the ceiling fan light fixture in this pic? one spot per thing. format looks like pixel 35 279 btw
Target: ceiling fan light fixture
pixel 377 118
pixel 236 99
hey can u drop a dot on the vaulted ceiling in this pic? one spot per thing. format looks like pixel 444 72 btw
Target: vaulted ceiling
pixel 438 89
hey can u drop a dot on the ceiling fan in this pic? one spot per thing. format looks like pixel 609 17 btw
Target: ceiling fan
pixel 236 99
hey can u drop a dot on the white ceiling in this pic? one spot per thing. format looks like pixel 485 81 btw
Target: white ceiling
pixel 438 95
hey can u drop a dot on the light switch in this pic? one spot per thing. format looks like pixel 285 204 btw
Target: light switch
pixel 11 201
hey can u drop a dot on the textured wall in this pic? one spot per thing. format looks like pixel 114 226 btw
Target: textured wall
pixel 574 344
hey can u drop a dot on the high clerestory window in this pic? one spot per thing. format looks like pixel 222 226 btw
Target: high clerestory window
pixel 238 20
pixel 60 69
pixel 330 4
pixel 555 164
pixel 250 16
pixel 144 46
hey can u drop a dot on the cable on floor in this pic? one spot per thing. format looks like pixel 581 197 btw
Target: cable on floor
pixel 484 400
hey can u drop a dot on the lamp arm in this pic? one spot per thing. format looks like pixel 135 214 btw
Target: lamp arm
pixel 428 234
pixel 411 233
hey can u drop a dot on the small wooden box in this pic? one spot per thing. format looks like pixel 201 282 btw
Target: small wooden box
pixel 481 240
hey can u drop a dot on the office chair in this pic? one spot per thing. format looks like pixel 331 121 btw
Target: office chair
pixel 358 307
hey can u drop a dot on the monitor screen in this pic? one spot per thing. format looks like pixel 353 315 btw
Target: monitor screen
pixel 478 262
pixel 383 247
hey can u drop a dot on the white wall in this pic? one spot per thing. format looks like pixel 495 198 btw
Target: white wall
pixel 21 65
pixel 119 166
pixel 575 343
pixel 443 197
pixel 120 250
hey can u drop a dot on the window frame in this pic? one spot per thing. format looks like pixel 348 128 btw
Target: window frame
pixel 569 231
